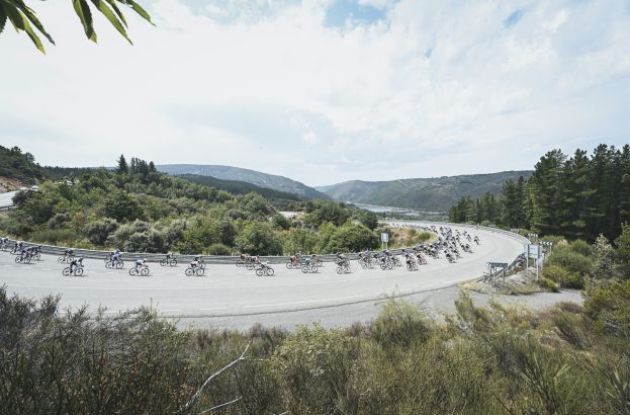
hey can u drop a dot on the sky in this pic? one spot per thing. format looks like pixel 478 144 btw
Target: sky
pixel 324 91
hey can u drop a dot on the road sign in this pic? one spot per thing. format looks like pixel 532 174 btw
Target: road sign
pixel 384 237
pixel 533 251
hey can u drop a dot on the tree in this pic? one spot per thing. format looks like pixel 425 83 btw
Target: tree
pixel 259 239
pixel 622 251
pixel 122 165
pixel 23 18
pixel 546 185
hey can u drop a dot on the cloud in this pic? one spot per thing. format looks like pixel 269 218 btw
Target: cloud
pixel 420 89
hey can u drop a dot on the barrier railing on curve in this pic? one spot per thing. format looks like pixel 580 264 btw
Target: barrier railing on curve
pixel 230 259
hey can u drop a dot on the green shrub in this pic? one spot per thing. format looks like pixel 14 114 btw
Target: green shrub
pixel 609 308
pixel 581 247
pixel 572 261
pixel 548 284
pixel 98 231
pixel 400 324
pixel 562 277
pixel 218 249
pixel 54 236
pixel 258 239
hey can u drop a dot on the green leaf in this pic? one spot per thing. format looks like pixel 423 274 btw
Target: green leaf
pixel 35 21
pixel 82 10
pixel 14 15
pixel 31 33
pixel 138 9
pixel 3 19
pixel 107 12
pixel 121 16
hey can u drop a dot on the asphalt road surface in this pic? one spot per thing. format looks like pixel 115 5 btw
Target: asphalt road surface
pixel 228 292
pixel 6 199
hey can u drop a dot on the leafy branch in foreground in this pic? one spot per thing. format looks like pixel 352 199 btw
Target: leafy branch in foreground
pixel 23 18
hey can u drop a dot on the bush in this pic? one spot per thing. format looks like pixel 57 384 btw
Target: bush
pixel 573 262
pixel 609 308
pixel 59 221
pixel 548 284
pixel 299 240
pixel 258 239
pixel 54 236
pixel 98 231
pixel 151 241
pixel 563 277
pixel 218 249
pixel 582 248
pixel 400 324
pixel 352 238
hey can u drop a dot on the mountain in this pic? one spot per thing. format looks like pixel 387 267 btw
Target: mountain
pixel 269 181
pixel 436 194
pixel 237 187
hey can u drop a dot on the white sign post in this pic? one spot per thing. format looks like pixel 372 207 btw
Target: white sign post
pixel 384 239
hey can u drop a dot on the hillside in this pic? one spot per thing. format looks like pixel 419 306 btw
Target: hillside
pixel 237 187
pixel 426 194
pixel 269 181
pixel 18 168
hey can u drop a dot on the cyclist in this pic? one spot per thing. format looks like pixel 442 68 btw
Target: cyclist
pixel 75 263
pixel 116 256
pixel 140 263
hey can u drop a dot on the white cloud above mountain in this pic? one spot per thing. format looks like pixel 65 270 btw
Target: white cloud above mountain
pixel 388 90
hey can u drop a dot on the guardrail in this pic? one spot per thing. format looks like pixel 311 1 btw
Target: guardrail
pixel 226 259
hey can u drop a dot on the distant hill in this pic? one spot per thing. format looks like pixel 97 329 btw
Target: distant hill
pixel 237 187
pixel 269 181
pixel 436 194
pixel 17 168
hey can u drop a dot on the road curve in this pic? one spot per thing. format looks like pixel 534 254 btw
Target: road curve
pixel 230 291
pixel 6 199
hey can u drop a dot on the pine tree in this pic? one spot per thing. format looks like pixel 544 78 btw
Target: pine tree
pixel 577 192
pixel 624 190
pixel 122 165
pixel 546 192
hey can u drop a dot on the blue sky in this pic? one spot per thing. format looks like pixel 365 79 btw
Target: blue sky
pixel 324 91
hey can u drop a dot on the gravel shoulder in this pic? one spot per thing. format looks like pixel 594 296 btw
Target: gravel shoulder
pixel 437 303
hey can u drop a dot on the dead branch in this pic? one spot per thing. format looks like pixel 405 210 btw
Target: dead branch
pixel 195 398
pixel 220 406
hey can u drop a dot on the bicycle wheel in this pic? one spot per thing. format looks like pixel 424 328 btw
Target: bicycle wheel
pixel 200 272
pixel 289 265
pixel 305 269
pixel 61 259
pixel 163 262
pixel 120 264
pixel 133 271
pixel 18 259
pixel 188 272
pixel 174 263
pixel 339 270
pixel 65 272
pixel 259 272
pixel 144 271
pixel 269 271
pixel 78 271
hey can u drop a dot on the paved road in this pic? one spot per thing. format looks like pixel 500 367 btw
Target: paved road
pixel 228 291
pixel 6 199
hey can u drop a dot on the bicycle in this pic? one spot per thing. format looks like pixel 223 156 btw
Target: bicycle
pixel 168 261
pixel 117 264
pixel 23 259
pixel 343 267
pixel 309 267
pixel 194 270
pixel 77 271
pixel 65 259
pixel 139 270
pixel 264 269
